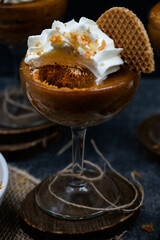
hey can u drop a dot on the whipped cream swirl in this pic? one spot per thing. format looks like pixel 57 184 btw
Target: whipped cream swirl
pixel 75 43
pixel 15 1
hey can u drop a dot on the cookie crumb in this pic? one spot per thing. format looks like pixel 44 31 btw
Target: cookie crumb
pixel 156 147
pixel 137 174
pixel 1 185
pixel 148 227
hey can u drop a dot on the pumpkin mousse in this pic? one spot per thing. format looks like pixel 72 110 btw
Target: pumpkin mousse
pixel 154 26
pixel 73 75
pixel 22 18
pixel 69 103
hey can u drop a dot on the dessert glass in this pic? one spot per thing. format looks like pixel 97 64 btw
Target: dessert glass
pixel 17 22
pixel 154 34
pixel 71 196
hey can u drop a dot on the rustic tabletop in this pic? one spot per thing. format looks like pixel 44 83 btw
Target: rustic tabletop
pixel 118 142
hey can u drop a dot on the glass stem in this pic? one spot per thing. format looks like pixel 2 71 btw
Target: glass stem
pixel 78 142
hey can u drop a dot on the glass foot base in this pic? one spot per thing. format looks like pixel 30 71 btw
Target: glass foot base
pixel 61 198
pixel 16 112
pixel 154 131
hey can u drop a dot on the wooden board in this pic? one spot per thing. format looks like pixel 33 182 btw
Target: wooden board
pixel 35 221
pixel 149 146
pixel 12 140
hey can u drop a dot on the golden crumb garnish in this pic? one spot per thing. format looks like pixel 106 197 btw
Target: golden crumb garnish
pixel 102 46
pixel 30 63
pixel 156 147
pixel 1 186
pixel 38 44
pixel 57 28
pixel 53 39
pixel 85 39
pixel 137 174
pixel 148 227
pixel 74 36
pixel 88 30
pixel 88 54
pixel 39 52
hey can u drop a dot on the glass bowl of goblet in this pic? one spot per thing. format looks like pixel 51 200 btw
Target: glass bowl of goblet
pixel 71 196
pixel 153 122
pixel 17 22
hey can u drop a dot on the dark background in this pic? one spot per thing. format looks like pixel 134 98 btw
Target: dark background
pixel 92 10
pixel 116 139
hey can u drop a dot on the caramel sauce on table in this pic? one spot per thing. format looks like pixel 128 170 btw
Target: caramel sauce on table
pixel 154 26
pixel 81 107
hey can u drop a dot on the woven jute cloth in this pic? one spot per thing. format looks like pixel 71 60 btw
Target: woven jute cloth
pixel 20 184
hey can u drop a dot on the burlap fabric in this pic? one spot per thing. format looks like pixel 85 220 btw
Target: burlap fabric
pixel 20 183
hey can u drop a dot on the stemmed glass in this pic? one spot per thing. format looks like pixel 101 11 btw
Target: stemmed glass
pixel 154 34
pixel 15 110
pixel 18 21
pixel 79 192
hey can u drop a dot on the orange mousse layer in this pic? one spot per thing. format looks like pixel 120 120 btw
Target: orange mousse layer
pixel 154 26
pixel 82 107
pixel 64 76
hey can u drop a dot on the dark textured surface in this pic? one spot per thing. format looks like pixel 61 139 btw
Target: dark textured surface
pixel 35 217
pixel 117 140
pixel 92 10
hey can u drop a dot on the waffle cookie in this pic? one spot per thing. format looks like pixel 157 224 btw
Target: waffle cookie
pixel 128 32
